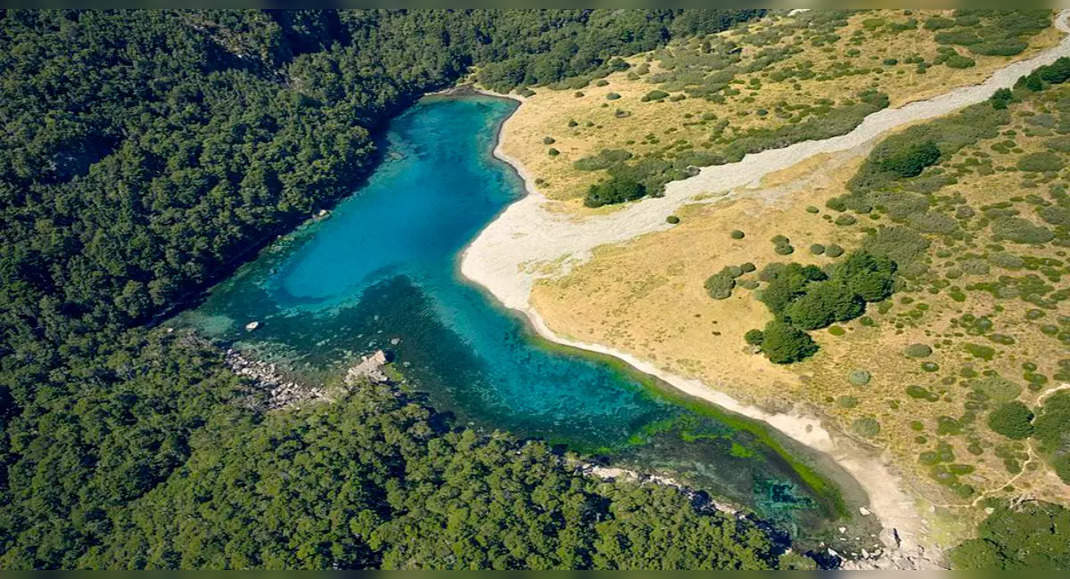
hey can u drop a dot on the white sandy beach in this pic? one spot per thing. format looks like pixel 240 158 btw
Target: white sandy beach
pixel 505 256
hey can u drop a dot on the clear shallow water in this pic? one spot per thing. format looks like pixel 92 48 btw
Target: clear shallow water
pixel 382 272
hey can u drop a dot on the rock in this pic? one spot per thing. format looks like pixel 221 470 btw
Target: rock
pixel 864 511
pixel 252 326
pixel 395 341
pixel 370 368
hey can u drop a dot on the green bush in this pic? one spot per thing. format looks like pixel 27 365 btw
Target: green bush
pixel 548 140
pixel 612 96
pixel 736 234
pixel 721 284
pixel 1050 429
pixel 822 303
pixel 616 190
pixel 817 249
pixel 867 427
pixel 859 377
pixel 833 250
pixel 654 95
pixel 783 344
pixel 909 160
pixel 605 159
pixel 672 219
pixel 553 152
pixel 1020 230
pixel 754 337
pixel 1013 420
pixel 1041 162
pixel 917 351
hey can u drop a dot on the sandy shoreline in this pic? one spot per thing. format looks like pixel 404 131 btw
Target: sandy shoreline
pixel 505 255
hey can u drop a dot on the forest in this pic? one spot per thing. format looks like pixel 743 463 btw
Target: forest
pixel 146 154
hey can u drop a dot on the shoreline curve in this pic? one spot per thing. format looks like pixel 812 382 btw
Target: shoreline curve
pixel 526 233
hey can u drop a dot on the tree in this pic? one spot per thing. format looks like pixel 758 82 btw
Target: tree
pixel 1013 420
pixel 783 344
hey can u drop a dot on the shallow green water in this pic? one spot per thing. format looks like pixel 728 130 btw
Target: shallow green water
pixel 382 272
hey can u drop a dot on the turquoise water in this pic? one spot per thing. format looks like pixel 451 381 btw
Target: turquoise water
pixel 382 272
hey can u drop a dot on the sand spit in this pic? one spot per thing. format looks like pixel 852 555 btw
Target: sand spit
pixel 513 251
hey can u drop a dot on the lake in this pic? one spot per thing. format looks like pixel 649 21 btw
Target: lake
pixel 382 272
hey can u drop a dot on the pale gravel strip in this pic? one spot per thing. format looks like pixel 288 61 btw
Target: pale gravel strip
pixel 526 234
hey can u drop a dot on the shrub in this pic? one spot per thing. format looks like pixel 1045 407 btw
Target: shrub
pixel 817 249
pixel 869 276
pixel 1013 420
pixel 654 95
pixel 736 234
pixel 859 377
pixel 997 388
pixel 1020 230
pixel 979 351
pixel 783 344
pixel 909 160
pixel 553 152
pixel 822 303
pixel 672 219
pixel 833 250
pixel 612 96
pixel 754 337
pixel 605 159
pixel 616 190
pixel 1049 429
pixel 721 284
pixel 1040 162
pixel 548 140
pixel 866 426
pixel 917 351
pixel 1001 98
pixel 959 61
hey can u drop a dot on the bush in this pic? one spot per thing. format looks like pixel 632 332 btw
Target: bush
pixel 754 337
pixel 548 140
pixel 867 427
pixel 654 95
pixel 1001 98
pixel 1050 428
pixel 817 249
pixel 859 377
pixel 1013 420
pixel 553 152
pixel 917 351
pixel 605 159
pixel 672 219
pixel 1020 230
pixel 721 284
pixel 737 234
pixel 616 190
pixel 869 276
pixel 783 344
pixel 1041 162
pixel 833 250
pixel 612 96
pixel 910 160
pixel 823 303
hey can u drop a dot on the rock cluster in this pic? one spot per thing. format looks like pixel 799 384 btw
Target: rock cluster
pixel 266 377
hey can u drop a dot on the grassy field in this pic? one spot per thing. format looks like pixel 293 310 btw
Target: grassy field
pixel 980 316
pixel 768 83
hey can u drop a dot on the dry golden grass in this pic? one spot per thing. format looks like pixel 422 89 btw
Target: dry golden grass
pixel 548 113
pixel 646 297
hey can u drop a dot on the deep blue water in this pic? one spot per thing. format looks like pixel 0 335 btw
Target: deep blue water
pixel 382 272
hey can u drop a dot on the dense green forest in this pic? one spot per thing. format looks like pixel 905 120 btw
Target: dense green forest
pixel 144 154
